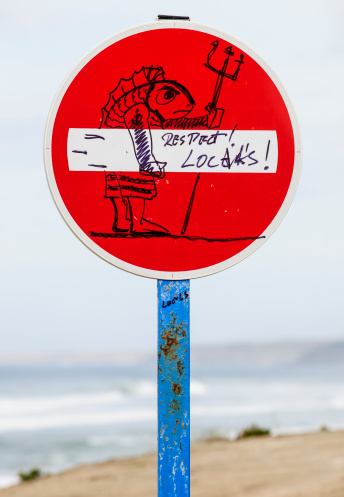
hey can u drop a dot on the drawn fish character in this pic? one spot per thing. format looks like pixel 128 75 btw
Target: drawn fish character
pixel 143 102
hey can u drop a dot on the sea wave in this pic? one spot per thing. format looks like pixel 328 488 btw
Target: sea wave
pixel 10 406
pixel 264 408
pixel 82 417
pixel 7 480
pixel 23 405
pixel 29 423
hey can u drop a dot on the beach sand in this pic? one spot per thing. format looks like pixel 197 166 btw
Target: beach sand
pixel 309 465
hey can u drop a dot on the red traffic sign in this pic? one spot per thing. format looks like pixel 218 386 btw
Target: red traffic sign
pixel 172 150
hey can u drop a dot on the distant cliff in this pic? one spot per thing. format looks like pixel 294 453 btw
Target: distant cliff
pixel 272 354
pixel 269 354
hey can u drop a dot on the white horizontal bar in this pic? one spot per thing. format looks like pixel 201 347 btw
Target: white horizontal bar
pixel 215 151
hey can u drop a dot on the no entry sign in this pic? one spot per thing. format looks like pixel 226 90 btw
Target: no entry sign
pixel 172 150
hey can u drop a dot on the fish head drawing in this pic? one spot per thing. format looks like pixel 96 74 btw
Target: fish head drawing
pixel 169 99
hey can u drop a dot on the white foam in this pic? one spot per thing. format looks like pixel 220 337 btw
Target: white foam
pixel 29 423
pixel 7 480
pixel 12 406
pixel 294 430
pixel 263 408
pixel 197 388
pixel 105 441
pixel 145 389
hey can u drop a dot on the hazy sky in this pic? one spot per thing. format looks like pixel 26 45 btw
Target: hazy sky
pixel 56 295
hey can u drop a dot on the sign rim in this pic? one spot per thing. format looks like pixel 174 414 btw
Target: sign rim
pixel 152 273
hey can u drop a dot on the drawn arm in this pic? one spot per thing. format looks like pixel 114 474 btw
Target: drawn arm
pixel 211 120
pixel 137 122
pixel 214 117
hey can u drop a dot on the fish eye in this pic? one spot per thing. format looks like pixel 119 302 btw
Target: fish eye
pixel 166 95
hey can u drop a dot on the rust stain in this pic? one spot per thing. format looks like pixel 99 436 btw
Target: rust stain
pixel 175 427
pixel 174 406
pixel 162 430
pixel 180 367
pixel 177 389
pixel 170 337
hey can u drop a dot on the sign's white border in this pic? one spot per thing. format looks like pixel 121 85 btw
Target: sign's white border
pixel 130 267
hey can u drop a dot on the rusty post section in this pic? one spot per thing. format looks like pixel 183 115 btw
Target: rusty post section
pixel 173 388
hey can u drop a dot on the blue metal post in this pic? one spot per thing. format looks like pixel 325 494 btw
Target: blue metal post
pixel 173 388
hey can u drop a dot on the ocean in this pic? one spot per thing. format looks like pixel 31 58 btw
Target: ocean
pixel 56 416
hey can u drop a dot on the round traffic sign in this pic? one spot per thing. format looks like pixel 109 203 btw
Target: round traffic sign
pixel 172 150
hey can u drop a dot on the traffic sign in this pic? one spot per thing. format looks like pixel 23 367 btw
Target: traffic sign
pixel 172 150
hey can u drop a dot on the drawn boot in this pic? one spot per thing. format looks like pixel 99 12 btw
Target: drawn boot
pixel 121 222
pixel 138 223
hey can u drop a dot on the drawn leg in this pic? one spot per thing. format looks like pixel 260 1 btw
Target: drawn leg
pixel 121 222
pixel 138 223
pixel 127 209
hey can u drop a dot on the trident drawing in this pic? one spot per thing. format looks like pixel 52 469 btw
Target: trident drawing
pixel 221 74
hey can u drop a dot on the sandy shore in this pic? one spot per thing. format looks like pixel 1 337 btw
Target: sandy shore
pixel 294 466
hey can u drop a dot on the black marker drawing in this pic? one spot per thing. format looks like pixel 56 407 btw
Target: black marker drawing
pixel 221 74
pixel 146 105
pixel 153 234
pixel 102 166
pixel 80 152
pixel 145 101
pixel 188 212
pixel 92 137
pixel 140 103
